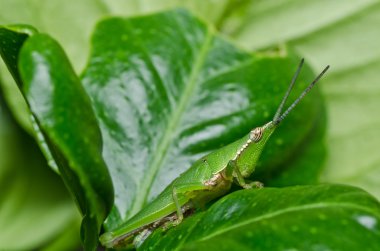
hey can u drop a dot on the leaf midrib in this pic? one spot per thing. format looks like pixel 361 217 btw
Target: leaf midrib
pixel 288 210
pixel 173 119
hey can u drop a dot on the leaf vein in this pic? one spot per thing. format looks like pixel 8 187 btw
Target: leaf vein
pixel 288 210
pixel 174 120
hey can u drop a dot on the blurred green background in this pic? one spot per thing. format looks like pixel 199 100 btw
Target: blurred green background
pixel 35 209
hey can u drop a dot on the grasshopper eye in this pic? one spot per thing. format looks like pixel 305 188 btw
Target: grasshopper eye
pixel 256 134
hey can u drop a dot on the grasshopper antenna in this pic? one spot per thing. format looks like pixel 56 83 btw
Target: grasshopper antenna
pixel 280 118
pixel 294 79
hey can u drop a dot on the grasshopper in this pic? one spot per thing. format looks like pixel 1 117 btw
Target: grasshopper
pixel 208 178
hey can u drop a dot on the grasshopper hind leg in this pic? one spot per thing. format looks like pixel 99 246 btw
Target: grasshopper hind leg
pixel 182 190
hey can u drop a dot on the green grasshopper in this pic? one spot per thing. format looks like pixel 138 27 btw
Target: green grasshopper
pixel 208 178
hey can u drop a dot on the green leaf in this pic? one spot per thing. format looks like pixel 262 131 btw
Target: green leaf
pixel 35 205
pixel 62 109
pixel 345 35
pixel 58 19
pixel 262 24
pixel 12 39
pixel 76 44
pixel 323 217
pixel 157 112
pixel 162 105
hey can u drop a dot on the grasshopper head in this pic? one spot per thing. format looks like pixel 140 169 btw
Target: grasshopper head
pixel 250 152
pixel 261 134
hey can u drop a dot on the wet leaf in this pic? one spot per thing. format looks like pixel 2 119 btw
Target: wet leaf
pixel 60 109
pixel 292 218
pixel 162 105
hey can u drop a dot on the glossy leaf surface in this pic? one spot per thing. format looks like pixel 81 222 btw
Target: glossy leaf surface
pixel 345 35
pixel 344 22
pixel 12 39
pixel 160 106
pixel 323 217
pixel 167 91
pixel 61 109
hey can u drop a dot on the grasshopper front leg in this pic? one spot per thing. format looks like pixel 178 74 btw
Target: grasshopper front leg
pixel 239 177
